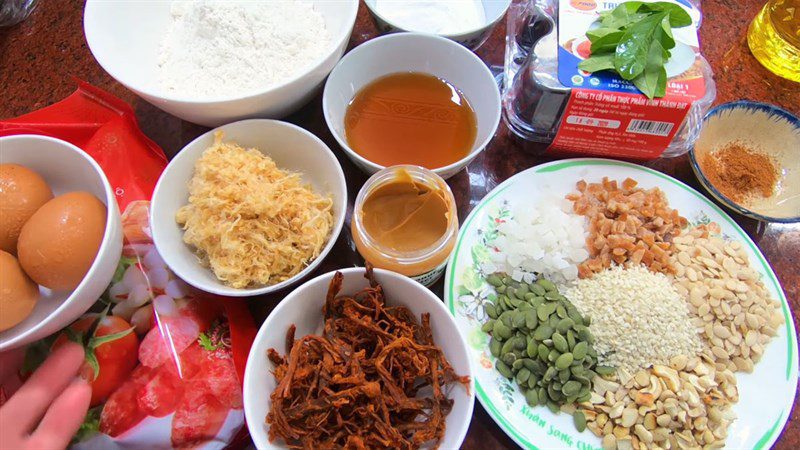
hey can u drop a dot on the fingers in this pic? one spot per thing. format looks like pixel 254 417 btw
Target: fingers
pixel 64 417
pixel 29 403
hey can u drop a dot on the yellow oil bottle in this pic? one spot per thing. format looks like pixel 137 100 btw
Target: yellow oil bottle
pixel 774 38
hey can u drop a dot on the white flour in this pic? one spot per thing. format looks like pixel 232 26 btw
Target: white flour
pixel 216 49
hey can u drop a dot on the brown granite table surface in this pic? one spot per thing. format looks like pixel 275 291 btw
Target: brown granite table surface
pixel 39 57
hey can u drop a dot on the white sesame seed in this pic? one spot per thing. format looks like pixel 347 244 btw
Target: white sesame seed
pixel 638 317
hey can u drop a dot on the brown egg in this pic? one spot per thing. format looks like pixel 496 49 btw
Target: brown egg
pixel 60 241
pixel 22 192
pixel 18 293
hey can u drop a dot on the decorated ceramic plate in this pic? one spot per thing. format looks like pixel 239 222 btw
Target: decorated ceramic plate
pixel 765 395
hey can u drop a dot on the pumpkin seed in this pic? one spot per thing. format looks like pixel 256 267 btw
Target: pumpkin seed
pixel 546 284
pixel 543 332
pixel 532 397
pixel 564 361
pixel 571 388
pixel 541 341
pixel 554 296
pixel 560 343
pixel 495 347
pixel 518 319
pixel 543 352
pixel 531 319
pixel 580 349
pixel 532 349
pixel 508 346
pixel 605 370
pixel 564 325
pixel 571 339
pixel 580 421
pixel 494 280
pixel 503 369
pixel 537 289
pixel 520 343
pixel 490 310
pixel 502 331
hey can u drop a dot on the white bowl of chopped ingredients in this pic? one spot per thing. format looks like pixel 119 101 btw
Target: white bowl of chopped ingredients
pixel 216 62
pixel 410 98
pixel 468 22
pixel 399 333
pixel 248 208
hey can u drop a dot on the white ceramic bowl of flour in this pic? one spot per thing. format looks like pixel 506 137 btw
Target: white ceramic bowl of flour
pixel 127 37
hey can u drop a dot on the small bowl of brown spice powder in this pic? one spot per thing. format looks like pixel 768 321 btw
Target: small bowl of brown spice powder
pixel 748 157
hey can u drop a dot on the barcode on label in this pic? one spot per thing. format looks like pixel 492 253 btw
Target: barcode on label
pixel 649 127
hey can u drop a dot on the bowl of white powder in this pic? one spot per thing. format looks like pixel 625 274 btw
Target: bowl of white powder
pixel 468 22
pixel 215 62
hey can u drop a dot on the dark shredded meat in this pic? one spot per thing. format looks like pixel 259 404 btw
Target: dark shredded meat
pixel 374 379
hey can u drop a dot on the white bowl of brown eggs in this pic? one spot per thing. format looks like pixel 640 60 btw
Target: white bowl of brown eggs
pixel 60 236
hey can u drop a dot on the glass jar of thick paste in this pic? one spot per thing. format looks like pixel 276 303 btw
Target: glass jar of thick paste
pixel 405 220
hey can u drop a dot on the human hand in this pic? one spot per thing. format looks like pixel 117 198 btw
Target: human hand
pixel 49 408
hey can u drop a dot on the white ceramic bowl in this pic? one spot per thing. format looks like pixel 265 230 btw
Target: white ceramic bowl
pixel 493 11
pixel 291 147
pixel 124 36
pixel 413 52
pixel 772 131
pixel 303 308
pixel 66 168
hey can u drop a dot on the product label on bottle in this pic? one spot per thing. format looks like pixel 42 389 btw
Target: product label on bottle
pixel 607 115
pixel 428 278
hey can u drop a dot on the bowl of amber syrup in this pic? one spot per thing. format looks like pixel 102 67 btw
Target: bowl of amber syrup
pixel 411 98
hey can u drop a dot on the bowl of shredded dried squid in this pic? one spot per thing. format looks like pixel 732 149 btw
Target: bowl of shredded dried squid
pixel 359 359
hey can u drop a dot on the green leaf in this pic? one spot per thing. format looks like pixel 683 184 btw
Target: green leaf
pixel 678 17
pixel 480 254
pixel 206 342
pixel 596 63
pixel 471 280
pixel 607 42
pixel 653 79
pixel 623 15
pixel 667 40
pixel 97 341
pixel 596 33
pixel 90 425
pixel 91 358
pixel 634 47
pixel 124 263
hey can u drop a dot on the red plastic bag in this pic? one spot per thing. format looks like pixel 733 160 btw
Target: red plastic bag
pixel 171 375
